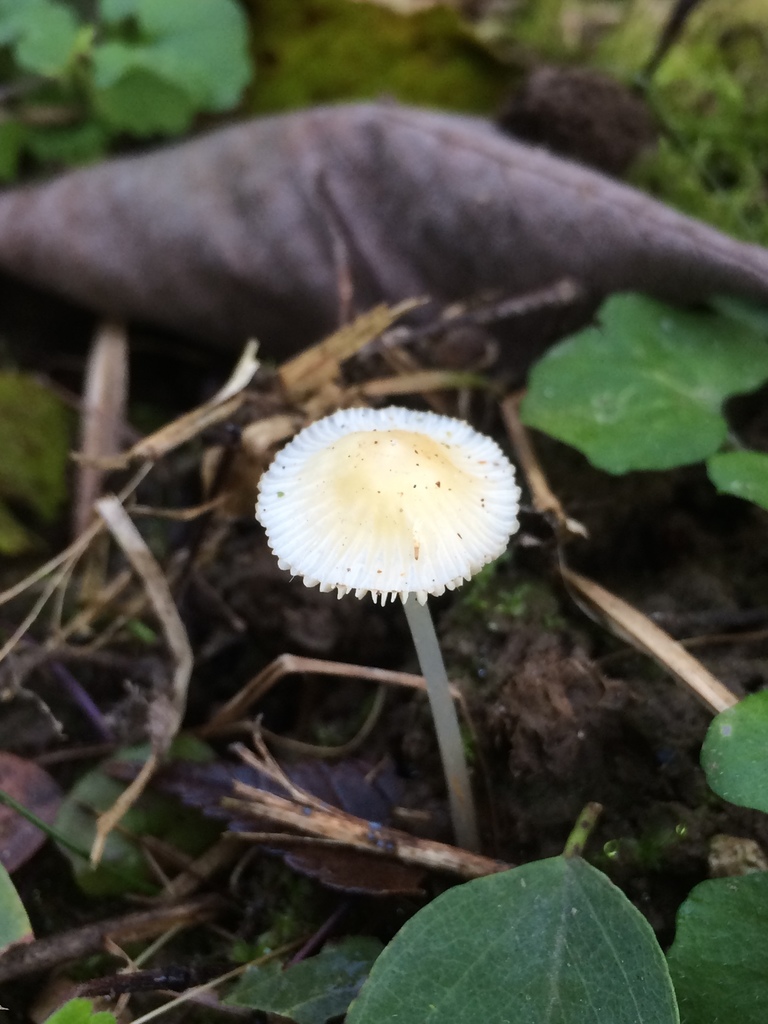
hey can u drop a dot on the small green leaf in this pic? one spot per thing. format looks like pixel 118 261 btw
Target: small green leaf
pixel 14 923
pixel 717 960
pixel 80 1011
pixel 123 866
pixel 551 941
pixel 644 389
pixel 744 474
pixel 43 34
pixel 312 991
pixel 735 753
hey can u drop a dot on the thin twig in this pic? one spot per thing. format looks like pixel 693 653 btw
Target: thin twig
pixel 45 954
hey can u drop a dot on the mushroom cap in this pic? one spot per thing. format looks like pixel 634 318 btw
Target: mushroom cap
pixel 388 502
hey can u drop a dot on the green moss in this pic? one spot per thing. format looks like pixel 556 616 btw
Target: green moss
pixel 710 94
pixel 491 596
pixel 321 51
pixel 35 430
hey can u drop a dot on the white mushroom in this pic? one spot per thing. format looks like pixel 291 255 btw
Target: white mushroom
pixel 394 502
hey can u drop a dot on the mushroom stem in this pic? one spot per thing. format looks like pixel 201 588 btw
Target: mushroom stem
pixel 446 723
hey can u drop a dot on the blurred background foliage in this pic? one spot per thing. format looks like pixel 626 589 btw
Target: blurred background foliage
pixel 81 78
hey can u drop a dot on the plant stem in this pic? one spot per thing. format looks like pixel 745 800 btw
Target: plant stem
pixel 446 724
pixel 582 830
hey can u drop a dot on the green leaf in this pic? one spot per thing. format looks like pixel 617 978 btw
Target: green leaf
pixel 551 941
pixel 140 100
pixel 123 866
pixel 34 441
pixel 80 1011
pixel 43 34
pixel 14 923
pixel 191 57
pixel 315 989
pixel 735 753
pixel 644 389
pixel 717 960
pixel 751 314
pixel 117 10
pixel 74 144
pixel 743 474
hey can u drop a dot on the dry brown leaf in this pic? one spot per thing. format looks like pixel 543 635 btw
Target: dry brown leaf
pixel 34 789
pixel 233 234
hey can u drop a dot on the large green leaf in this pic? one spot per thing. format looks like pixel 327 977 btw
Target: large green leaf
pixel 553 942
pixel 735 753
pixel 744 474
pixel 717 960
pixel 43 34
pixel 312 991
pixel 14 923
pixel 189 57
pixel 644 388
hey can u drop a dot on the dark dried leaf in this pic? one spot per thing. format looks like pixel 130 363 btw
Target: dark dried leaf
pixel 248 230
pixel 351 872
pixel 34 789
pixel 350 785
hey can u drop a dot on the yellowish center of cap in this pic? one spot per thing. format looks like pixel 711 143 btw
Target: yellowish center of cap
pixel 384 467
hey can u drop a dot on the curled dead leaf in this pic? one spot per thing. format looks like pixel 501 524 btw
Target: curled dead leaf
pixel 254 229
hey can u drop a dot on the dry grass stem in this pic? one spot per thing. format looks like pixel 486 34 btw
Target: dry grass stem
pixel 156 587
pixel 330 823
pixel 222 406
pixel 221 855
pixel 102 419
pixel 622 618
pixel 299 748
pixel 544 499
pixel 74 551
pixel 313 369
pixel 166 711
pixel 229 717
pixel 107 821
pixel 637 629
pixel 417 382
pixel 193 994
pixel 45 954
